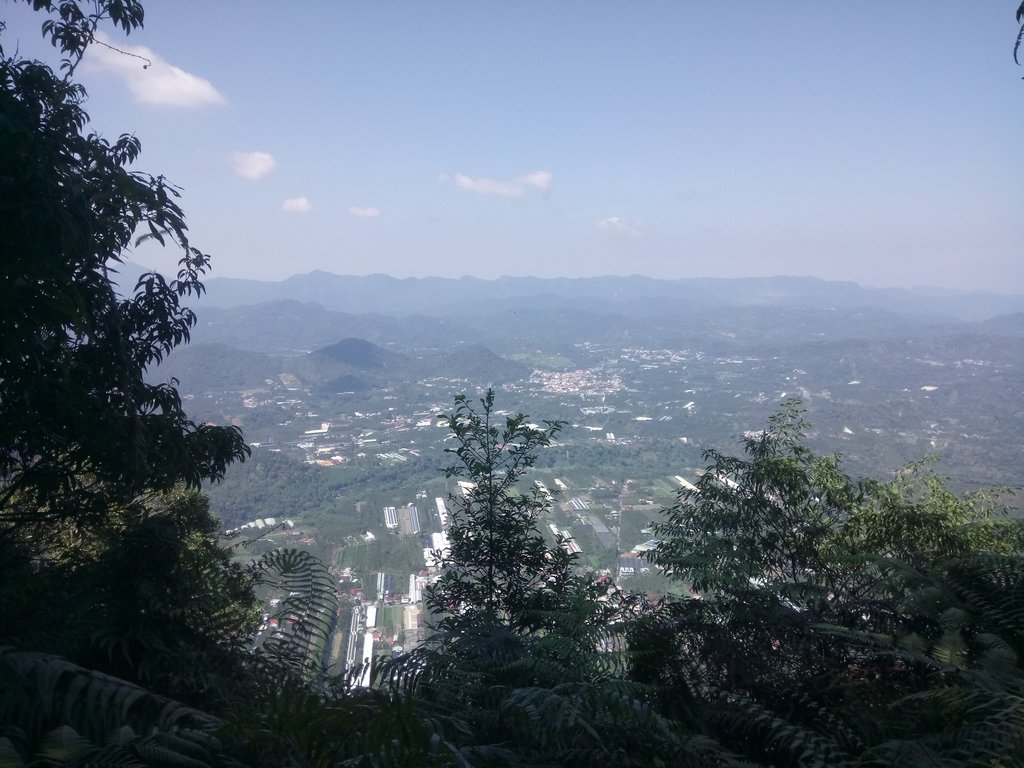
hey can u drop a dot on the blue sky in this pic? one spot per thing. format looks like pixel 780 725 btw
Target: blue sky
pixel 875 141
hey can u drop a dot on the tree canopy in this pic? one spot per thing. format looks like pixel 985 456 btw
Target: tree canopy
pixel 840 622
pixel 79 424
pixel 108 556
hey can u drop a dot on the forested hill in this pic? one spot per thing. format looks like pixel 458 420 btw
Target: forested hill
pixel 358 353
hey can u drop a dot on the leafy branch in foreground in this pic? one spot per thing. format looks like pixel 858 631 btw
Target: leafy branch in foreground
pixel 1020 33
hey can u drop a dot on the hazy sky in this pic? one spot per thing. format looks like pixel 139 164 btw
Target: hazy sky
pixel 876 141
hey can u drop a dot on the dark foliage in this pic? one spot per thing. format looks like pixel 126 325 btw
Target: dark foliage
pixel 79 425
pixel 829 622
pixel 105 560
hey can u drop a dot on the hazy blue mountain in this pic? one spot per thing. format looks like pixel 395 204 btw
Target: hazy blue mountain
pixel 291 327
pixel 359 353
pixel 348 365
pixel 547 322
pixel 348 382
pixel 206 367
pixel 477 362
pixel 1008 325
pixel 436 297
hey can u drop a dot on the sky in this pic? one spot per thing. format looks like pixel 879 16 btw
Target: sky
pixel 876 141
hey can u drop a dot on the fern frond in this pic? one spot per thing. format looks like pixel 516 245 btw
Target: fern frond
pixel 307 612
pixel 66 714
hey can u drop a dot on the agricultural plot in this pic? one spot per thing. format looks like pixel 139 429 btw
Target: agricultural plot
pixel 400 555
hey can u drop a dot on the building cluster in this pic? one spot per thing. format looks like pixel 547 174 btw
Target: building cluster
pixel 407 521
pixel 580 382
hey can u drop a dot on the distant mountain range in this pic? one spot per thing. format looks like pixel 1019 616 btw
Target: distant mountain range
pixel 352 334
pixel 629 296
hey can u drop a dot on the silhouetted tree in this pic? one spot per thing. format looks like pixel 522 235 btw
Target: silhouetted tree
pixel 103 558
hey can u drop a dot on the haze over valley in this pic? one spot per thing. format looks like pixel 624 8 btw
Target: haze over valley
pixel 646 373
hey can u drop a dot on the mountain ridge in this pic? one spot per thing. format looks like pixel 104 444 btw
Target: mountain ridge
pixel 440 296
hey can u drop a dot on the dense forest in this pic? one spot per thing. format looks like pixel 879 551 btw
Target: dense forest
pixel 819 619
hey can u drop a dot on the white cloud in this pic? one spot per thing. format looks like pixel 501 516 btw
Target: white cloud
pixel 296 205
pixel 616 225
pixel 151 79
pixel 539 179
pixel 253 165
pixel 512 188
pixel 363 213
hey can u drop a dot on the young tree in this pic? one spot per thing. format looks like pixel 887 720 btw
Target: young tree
pixel 498 565
pixel 524 651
